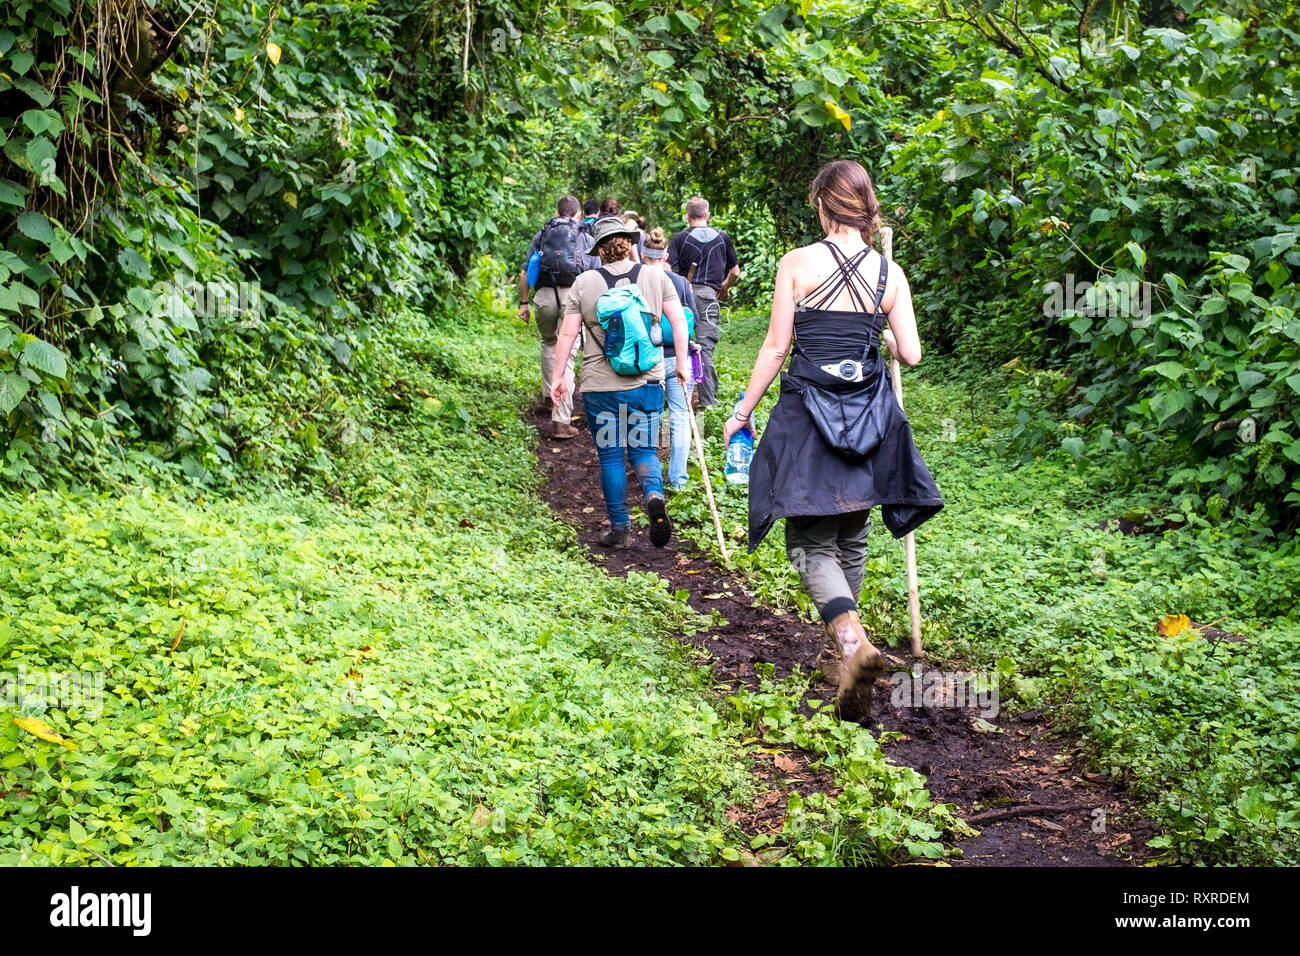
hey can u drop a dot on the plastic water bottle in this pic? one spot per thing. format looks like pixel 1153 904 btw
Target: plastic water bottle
pixel 739 452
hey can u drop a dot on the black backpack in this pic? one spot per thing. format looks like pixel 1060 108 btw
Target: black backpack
pixel 708 256
pixel 561 248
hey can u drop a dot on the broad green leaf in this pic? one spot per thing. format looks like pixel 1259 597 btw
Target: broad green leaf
pixel 1249 378
pixel 1167 403
pixel 34 225
pixel 1170 370
pixel 13 389
pixel 12 194
pixel 44 357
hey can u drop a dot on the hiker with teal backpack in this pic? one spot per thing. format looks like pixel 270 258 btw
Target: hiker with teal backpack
pixel 556 256
pixel 615 309
pixel 679 397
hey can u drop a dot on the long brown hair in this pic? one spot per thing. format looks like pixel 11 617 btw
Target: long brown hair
pixel 847 198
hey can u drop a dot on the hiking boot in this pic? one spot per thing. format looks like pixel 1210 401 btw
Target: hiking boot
pixel 616 537
pixel 661 528
pixel 562 430
pixel 862 664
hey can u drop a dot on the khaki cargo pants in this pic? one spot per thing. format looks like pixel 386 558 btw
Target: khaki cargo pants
pixel 547 310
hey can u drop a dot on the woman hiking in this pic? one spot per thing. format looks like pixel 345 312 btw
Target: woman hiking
pixel 837 443
pixel 655 256
pixel 623 411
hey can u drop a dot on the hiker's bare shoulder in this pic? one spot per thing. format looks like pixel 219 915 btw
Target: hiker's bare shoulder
pixel 802 256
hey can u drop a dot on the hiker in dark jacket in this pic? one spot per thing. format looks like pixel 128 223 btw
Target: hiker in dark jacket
pixel 707 257
pixel 563 249
pixel 837 444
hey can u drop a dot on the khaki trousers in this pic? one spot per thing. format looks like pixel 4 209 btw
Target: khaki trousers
pixel 547 310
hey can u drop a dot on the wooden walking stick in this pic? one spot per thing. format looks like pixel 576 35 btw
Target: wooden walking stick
pixel 708 487
pixel 909 542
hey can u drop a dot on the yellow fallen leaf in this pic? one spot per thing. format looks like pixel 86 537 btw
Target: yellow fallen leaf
pixel 1171 625
pixel 40 728
pixel 291 199
pixel 273 52
pixel 661 87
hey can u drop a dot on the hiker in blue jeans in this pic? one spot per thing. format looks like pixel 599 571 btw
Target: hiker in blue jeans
pixel 655 255
pixel 623 411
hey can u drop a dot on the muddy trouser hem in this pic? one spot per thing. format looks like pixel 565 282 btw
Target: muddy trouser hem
pixel 829 552
pixel 707 332
pixel 548 315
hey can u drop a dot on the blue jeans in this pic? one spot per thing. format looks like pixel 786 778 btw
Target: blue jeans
pixel 626 422
pixel 680 419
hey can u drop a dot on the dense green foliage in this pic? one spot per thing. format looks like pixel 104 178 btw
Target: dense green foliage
pixel 238 244
pixel 331 157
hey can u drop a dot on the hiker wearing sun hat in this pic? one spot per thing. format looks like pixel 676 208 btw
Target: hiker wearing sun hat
pixel 622 377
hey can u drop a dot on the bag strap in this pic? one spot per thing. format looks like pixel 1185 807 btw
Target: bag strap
pixel 877 317
pixel 610 279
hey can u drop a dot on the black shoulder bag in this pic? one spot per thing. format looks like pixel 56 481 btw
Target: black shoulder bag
pixel 853 417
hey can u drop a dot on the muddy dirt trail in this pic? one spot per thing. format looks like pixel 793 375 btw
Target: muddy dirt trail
pixel 1025 789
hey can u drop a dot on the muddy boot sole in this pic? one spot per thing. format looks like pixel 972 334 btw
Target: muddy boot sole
pixel 857 684
pixel 661 527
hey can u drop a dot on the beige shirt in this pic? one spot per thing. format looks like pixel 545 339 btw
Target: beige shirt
pixel 597 374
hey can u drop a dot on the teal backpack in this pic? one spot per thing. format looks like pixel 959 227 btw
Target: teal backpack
pixel 627 321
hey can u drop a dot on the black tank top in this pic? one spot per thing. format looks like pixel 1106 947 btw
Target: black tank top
pixel 823 336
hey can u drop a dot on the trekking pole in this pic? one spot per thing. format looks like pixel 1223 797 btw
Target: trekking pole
pixel 909 542
pixel 708 487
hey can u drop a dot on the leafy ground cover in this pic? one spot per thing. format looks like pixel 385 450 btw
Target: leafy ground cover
pixel 1025 573
pixel 406 662
pixel 422 671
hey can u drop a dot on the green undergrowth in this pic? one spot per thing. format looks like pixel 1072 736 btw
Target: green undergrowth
pixel 1021 575
pixel 405 660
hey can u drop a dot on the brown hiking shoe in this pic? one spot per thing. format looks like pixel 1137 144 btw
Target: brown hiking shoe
pixel 563 430
pixel 858 674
